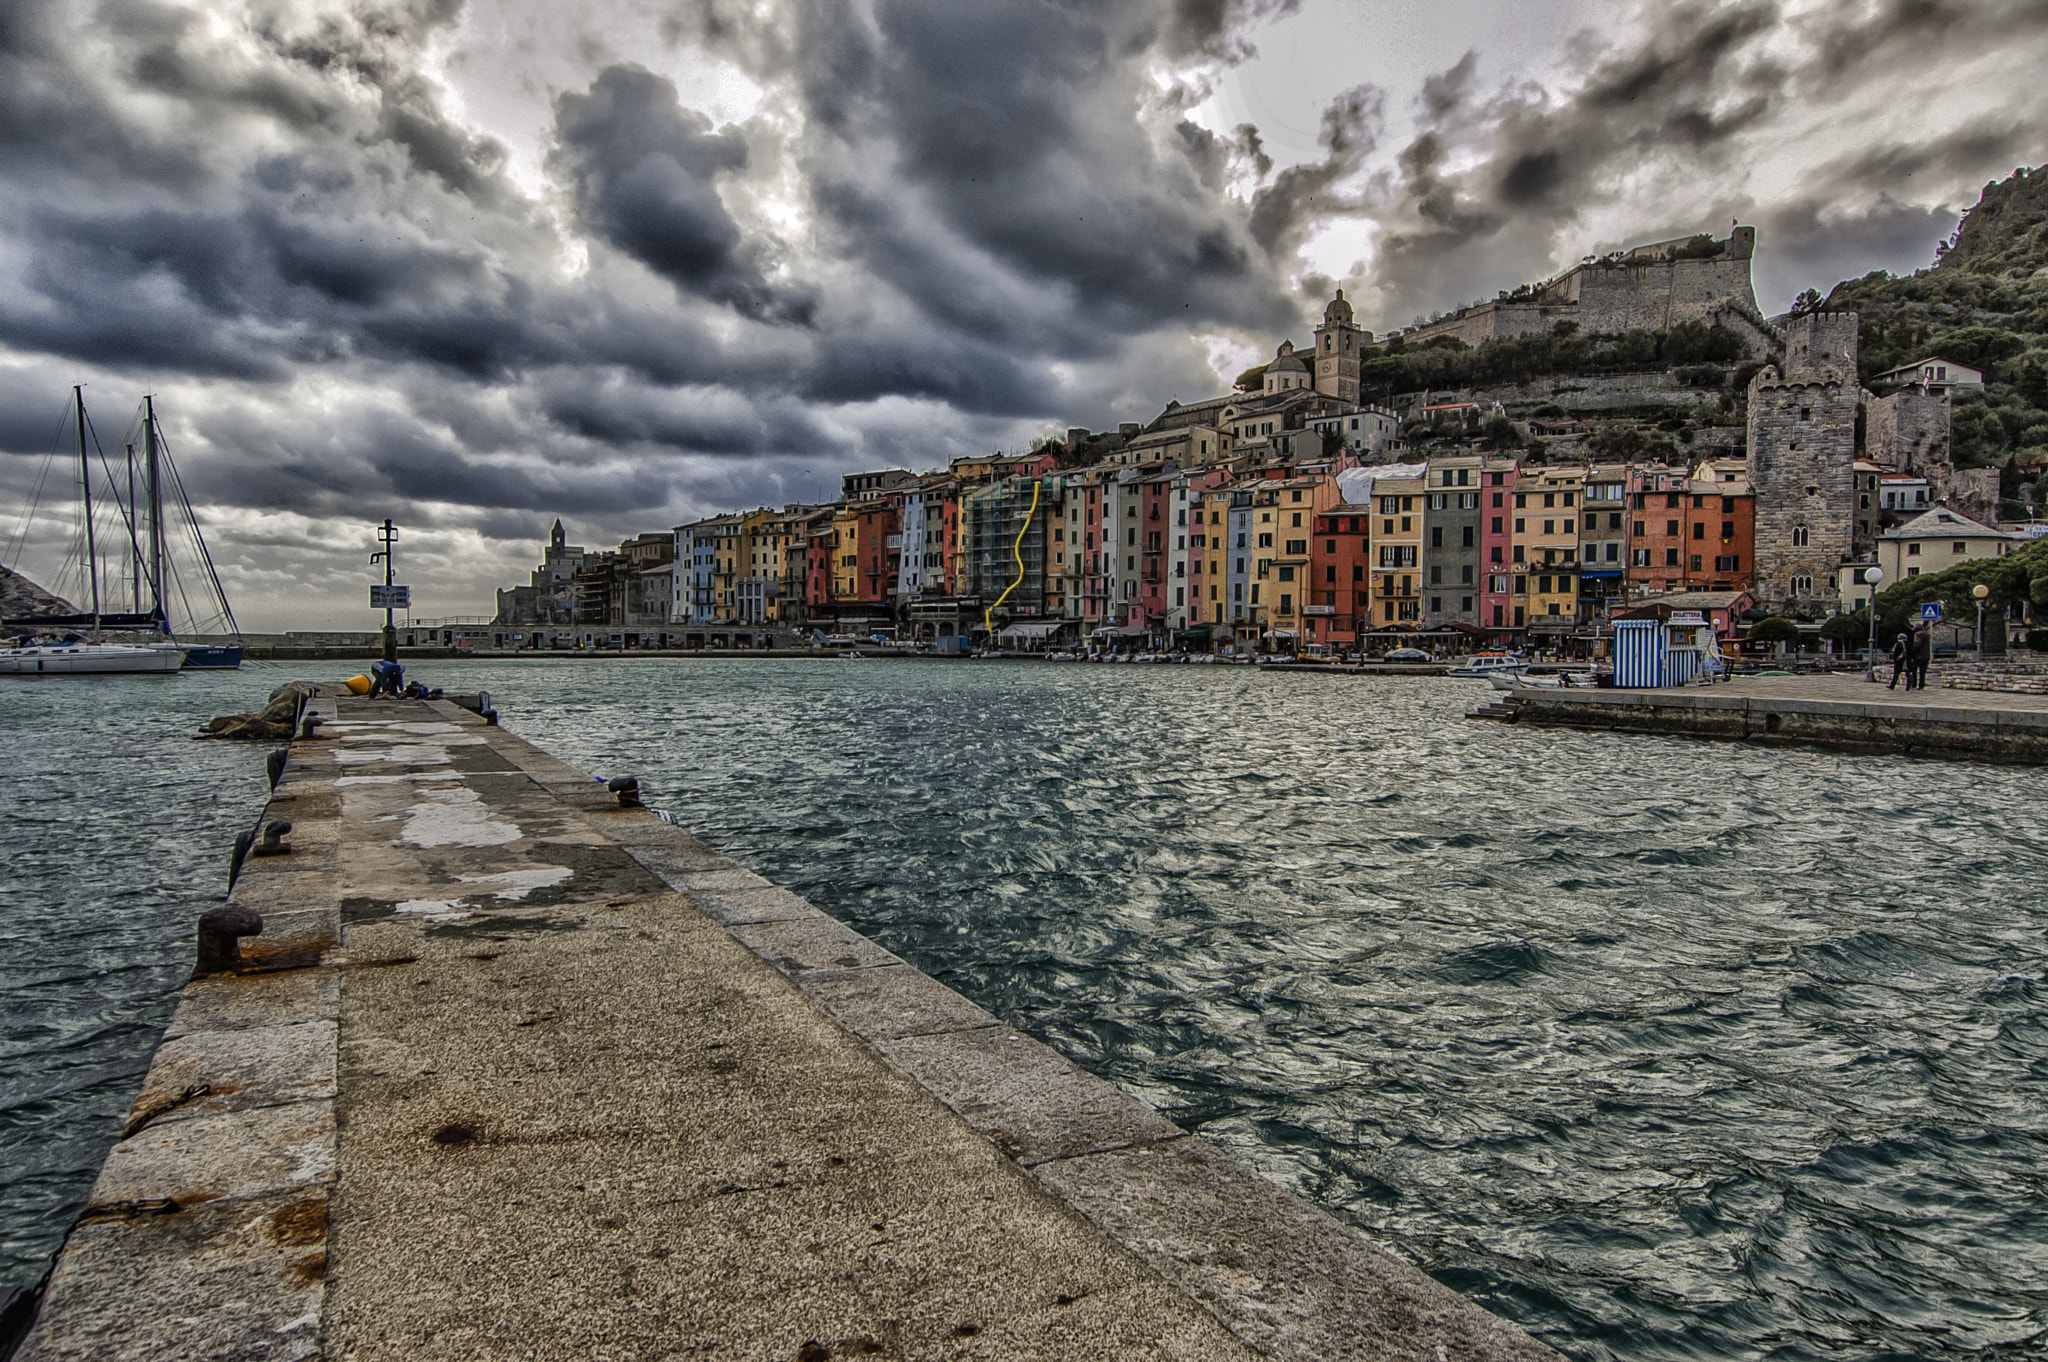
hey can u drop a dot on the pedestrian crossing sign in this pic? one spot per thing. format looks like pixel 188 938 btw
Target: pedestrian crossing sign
pixel 1930 611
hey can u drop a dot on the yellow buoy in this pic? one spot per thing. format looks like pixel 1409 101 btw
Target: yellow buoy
pixel 358 685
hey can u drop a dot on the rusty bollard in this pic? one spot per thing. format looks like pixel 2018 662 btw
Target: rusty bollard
pixel 273 843
pixel 627 788
pixel 218 929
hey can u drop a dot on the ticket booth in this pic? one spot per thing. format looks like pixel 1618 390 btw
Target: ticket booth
pixel 1640 648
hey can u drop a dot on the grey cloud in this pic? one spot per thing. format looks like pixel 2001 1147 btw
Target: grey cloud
pixel 644 172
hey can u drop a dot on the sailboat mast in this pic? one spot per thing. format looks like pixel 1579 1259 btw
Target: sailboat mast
pixel 153 483
pixel 92 557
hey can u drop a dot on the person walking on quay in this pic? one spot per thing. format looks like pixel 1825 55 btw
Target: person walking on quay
pixel 1902 658
pixel 1923 653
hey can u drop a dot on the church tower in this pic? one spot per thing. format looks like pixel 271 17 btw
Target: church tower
pixel 1338 343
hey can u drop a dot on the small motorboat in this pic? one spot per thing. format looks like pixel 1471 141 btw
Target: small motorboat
pixel 1489 664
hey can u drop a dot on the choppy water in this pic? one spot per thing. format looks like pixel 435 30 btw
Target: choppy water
pixel 114 833
pixel 1662 1049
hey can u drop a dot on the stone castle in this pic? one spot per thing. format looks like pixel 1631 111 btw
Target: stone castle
pixel 1647 288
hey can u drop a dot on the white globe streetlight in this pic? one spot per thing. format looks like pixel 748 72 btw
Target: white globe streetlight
pixel 1872 576
pixel 1980 591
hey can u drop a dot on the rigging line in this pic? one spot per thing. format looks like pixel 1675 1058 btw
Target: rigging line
pixel 114 495
pixel 1017 550
pixel 220 593
pixel 19 539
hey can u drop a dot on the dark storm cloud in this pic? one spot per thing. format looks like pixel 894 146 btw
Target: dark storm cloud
pixel 644 172
pixel 1701 88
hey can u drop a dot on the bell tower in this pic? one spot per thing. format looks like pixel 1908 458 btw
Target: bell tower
pixel 1338 342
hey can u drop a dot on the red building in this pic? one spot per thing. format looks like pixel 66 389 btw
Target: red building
pixel 878 548
pixel 1499 608
pixel 1339 587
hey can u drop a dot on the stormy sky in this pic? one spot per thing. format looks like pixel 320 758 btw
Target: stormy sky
pixel 476 265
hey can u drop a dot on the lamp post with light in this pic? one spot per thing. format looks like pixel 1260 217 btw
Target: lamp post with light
pixel 1872 576
pixel 1980 591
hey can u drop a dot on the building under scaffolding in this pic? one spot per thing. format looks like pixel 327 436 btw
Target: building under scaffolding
pixel 995 515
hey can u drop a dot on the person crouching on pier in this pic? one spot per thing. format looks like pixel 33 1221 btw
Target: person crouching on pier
pixel 1902 658
pixel 386 678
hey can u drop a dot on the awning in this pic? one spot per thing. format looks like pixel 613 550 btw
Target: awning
pixel 1197 631
pixel 1123 630
pixel 1030 633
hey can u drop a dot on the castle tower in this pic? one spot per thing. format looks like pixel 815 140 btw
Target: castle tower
pixel 1338 343
pixel 1802 459
pixel 558 538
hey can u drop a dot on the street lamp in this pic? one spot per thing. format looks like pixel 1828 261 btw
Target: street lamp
pixel 1873 576
pixel 1980 591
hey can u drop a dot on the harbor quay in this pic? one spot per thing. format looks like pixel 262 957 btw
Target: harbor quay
pixel 482 1059
pixel 1839 711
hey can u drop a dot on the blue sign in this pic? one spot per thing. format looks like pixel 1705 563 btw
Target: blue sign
pixel 1930 611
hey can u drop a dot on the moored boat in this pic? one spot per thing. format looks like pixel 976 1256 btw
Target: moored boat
pixel 105 659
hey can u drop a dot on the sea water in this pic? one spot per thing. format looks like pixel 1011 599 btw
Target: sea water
pixel 1661 1048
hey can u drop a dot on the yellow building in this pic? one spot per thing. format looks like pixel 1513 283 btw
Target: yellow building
pixel 1210 555
pixel 846 555
pixel 1546 545
pixel 1284 521
pixel 1936 541
pixel 1397 552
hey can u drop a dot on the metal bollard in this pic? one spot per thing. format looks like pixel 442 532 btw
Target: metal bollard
pixel 219 930
pixel 273 843
pixel 627 788
pixel 483 707
pixel 309 724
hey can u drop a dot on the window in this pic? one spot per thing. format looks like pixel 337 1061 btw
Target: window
pixel 1286 574
pixel 1912 572
pixel 1518 617
pixel 1958 547
pixel 1694 562
pixel 1671 501
pixel 1699 529
pixel 1521 501
pixel 1639 529
pixel 1436 605
pixel 1567 525
pixel 1358 572
pixel 1802 586
pixel 1265 541
pixel 1521 525
pixel 1297 514
pixel 1729 562
pixel 1496 495
pixel 1330 573
pixel 1329 546
pixel 1495 555
pixel 1521 586
pixel 1799 536
pixel 1436 576
pixel 1550 527
pixel 1639 558
pixel 1436 536
pixel 1297 497
pixel 1297 546
pixel 1467 537
pixel 1496 525
pixel 1549 500
pixel 1671 558
pixel 1613 551
pixel 1912 550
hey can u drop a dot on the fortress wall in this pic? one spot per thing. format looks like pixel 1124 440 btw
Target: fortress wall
pixel 1630 295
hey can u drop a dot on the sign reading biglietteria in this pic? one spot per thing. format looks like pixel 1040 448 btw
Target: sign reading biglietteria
pixel 391 598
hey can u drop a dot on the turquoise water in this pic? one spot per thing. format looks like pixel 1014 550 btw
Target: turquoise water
pixel 1663 1049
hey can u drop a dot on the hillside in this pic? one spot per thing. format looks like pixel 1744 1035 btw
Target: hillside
pixel 1984 302
pixel 21 598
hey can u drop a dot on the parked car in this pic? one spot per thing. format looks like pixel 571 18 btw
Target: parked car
pixel 1406 655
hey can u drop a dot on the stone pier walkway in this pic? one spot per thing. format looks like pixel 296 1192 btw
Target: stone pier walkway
pixel 514 1072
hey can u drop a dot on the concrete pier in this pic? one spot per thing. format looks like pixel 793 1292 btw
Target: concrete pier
pixel 1841 711
pixel 515 1071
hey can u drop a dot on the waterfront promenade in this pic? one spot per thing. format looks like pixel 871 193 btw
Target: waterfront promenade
pixel 515 1071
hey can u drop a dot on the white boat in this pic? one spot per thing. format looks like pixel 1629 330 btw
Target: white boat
pixel 1503 679
pixel 104 640
pixel 1491 664
pixel 102 658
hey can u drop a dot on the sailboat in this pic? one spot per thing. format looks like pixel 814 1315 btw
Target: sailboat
pixel 92 652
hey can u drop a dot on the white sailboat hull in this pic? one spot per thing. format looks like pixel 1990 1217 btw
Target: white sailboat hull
pixel 74 659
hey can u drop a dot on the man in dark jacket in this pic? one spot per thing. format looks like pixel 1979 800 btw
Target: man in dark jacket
pixel 1923 653
pixel 1902 656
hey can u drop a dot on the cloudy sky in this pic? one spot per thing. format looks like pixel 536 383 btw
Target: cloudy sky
pixel 473 265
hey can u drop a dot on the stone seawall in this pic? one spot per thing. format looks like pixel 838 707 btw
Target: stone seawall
pixel 1851 715
pixel 505 1065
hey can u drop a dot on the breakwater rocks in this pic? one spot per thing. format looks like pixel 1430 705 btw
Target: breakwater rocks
pixel 273 723
pixel 494 1061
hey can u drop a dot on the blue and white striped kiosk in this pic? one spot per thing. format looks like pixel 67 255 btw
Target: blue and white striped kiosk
pixel 1687 641
pixel 1640 649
